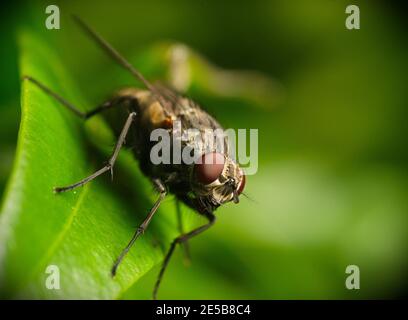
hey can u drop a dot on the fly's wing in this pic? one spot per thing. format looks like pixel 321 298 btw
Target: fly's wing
pixel 167 91
pixel 192 116
pixel 197 116
pixel 172 97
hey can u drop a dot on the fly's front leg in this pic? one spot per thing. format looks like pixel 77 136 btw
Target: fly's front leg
pixel 140 230
pixel 181 239
pixel 111 161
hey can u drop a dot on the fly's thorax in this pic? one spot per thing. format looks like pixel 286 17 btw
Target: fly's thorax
pixel 202 141
pixel 151 112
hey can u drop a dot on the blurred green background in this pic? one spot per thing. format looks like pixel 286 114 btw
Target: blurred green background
pixel 332 185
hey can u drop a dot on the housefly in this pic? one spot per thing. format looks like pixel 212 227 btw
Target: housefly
pixel 203 185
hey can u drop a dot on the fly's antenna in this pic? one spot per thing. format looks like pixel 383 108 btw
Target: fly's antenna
pixel 118 58
pixel 249 198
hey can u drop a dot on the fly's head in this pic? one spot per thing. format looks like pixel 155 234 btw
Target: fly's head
pixel 216 180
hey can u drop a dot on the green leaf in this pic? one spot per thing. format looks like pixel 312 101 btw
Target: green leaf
pixel 81 232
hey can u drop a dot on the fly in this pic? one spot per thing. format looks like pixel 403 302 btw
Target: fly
pixel 203 185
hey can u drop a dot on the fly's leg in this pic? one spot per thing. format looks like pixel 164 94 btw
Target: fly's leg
pixel 181 239
pixel 67 104
pixel 111 161
pixel 185 245
pixel 140 230
pixel 87 115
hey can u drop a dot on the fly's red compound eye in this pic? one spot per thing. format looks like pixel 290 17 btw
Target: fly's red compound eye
pixel 241 185
pixel 209 168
